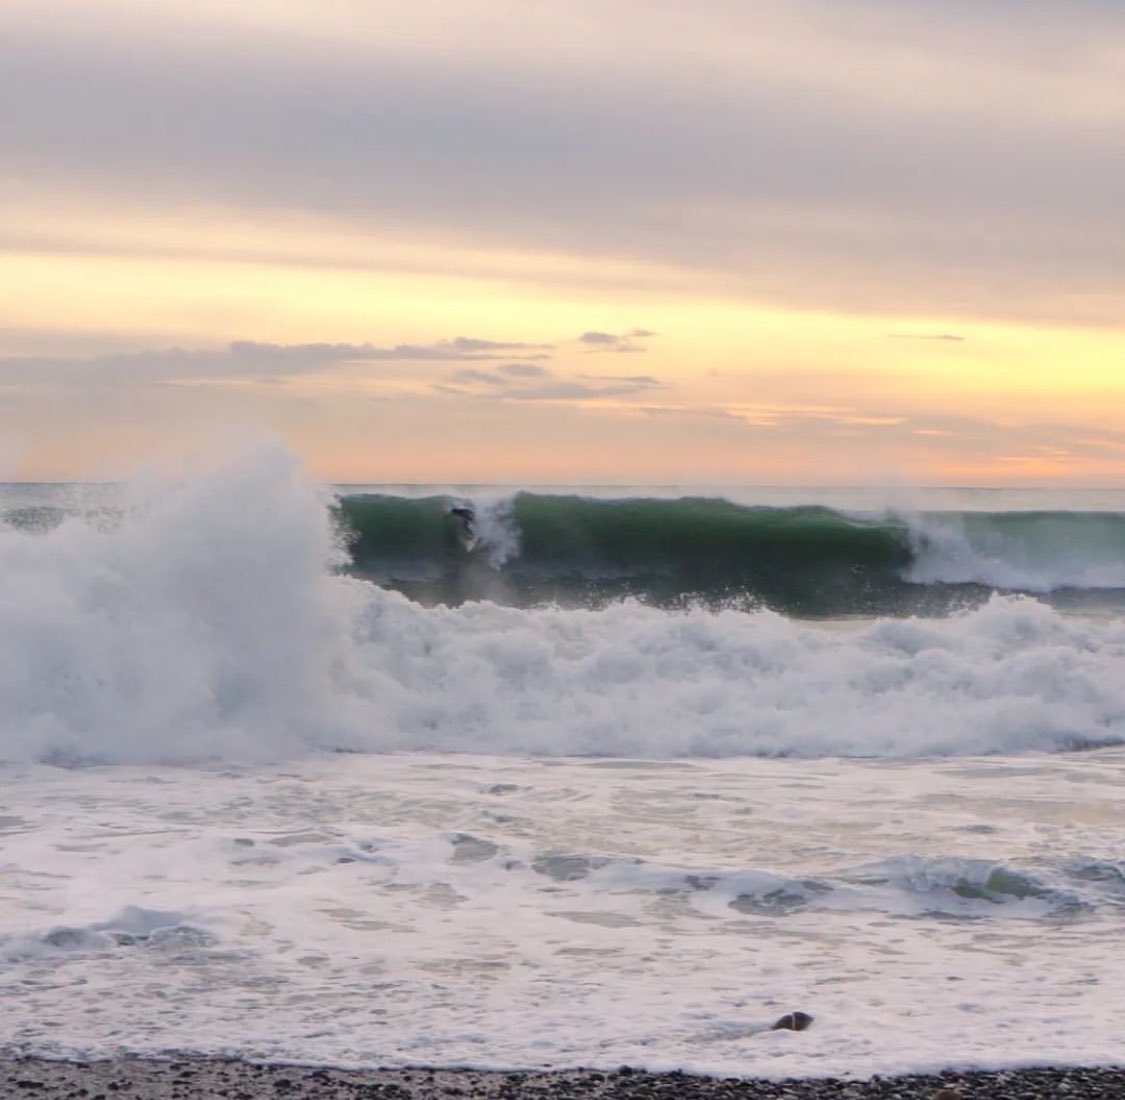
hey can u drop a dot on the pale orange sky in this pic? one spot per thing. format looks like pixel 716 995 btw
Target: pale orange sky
pixel 567 242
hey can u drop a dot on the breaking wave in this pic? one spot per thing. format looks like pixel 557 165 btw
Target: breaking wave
pixel 216 620
pixel 532 549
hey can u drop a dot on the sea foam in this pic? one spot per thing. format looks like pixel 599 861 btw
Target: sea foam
pixel 203 624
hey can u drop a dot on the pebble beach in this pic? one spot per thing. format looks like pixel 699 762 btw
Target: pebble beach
pixel 193 1078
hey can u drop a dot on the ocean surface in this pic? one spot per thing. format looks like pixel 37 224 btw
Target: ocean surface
pixel 522 777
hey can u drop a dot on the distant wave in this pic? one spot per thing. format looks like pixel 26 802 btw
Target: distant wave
pixel 535 549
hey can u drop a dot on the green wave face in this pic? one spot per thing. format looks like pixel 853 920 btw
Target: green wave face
pixel 578 551
pixel 796 559
pixel 533 549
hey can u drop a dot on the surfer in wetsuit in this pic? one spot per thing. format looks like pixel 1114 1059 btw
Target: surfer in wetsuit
pixel 468 519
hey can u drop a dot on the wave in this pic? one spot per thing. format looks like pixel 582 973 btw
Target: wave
pixel 215 621
pixel 152 929
pixel 588 889
pixel 533 549
pixel 905 885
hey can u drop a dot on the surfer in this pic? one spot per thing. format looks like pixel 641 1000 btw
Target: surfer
pixel 467 516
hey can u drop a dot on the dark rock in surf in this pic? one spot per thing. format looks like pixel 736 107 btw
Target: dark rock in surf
pixel 793 1021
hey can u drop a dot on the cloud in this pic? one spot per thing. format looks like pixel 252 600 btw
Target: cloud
pixel 753 143
pixel 470 346
pixel 461 347
pixel 248 360
pixel 861 439
pixel 580 391
pixel 625 379
pixel 472 375
pixel 264 363
pixel 524 384
pixel 611 341
pixel 948 336
pixel 691 412
pixel 523 370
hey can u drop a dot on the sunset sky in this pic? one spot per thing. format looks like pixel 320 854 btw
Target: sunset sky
pixel 631 241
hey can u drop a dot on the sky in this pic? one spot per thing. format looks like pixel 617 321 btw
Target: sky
pixel 567 241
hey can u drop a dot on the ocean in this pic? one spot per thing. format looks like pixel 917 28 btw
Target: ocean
pixel 541 776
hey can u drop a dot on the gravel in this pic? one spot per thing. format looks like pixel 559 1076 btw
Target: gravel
pixel 183 1078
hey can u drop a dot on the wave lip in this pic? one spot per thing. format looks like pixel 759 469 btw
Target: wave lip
pixel 961 887
pixel 133 926
pixel 906 885
pixel 1037 552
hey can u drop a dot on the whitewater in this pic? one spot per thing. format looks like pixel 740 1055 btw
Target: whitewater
pixel 260 796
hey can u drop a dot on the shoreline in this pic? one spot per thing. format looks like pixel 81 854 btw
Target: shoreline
pixel 189 1078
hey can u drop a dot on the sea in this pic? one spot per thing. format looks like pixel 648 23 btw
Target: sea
pixel 518 777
